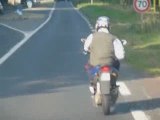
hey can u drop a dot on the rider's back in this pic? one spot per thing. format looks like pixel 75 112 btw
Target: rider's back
pixel 102 49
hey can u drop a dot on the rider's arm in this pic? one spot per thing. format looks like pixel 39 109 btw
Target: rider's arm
pixel 119 49
pixel 88 42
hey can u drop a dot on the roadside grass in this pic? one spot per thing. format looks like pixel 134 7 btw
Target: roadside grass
pixel 143 48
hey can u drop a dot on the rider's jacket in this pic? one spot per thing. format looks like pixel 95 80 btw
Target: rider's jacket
pixel 104 48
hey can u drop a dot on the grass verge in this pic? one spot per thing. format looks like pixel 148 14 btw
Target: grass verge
pixel 143 37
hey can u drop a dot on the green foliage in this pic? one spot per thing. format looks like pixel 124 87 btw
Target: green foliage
pixel 149 24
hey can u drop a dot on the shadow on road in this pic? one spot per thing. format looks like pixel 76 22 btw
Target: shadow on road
pixel 17 86
pixel 27 81
pixel 144 105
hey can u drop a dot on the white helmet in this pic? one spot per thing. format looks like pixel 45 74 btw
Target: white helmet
pixel 102 22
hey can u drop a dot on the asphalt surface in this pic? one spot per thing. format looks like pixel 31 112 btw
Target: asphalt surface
pixel 45 78
pixel 8 38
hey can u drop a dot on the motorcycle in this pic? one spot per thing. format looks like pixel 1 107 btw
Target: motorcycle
pixel 105 91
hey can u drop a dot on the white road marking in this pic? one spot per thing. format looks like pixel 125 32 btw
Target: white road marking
pixel 89 24
pixel 123 89
pixel 139 115
pixel 15 29
pixel 64 9
pixel 27 36
pixel 39 9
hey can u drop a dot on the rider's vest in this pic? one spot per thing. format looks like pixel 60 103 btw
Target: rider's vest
pixel 102 49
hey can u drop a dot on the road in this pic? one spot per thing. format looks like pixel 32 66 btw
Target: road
pixel 44 79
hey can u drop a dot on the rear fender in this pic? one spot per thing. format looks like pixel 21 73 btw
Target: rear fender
pixel 104 80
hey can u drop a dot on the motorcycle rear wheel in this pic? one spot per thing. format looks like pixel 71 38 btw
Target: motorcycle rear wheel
pixel 106 104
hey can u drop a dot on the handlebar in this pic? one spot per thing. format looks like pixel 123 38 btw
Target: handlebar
pixel 83 40
pixel 124 42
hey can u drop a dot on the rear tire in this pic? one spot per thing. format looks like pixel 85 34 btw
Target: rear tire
pixel 106 104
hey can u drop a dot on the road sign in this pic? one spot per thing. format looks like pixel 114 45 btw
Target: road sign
pixel 141 6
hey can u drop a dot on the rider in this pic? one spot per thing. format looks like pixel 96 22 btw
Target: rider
pixel 104 48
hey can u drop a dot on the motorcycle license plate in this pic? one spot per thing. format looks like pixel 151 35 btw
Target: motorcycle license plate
pixel 105 77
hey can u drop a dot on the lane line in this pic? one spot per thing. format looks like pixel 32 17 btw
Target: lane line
pixel 123 89
pixel 139 115
pixel 26 38
pixel 39 9
pixel 87 21
pixel 15 29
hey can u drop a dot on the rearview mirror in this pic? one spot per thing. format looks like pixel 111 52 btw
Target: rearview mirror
pixel 83 40
pixel 124 42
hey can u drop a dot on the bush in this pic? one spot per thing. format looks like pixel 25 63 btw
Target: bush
pixel 150 23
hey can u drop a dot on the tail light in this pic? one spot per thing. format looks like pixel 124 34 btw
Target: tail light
pixel 105 69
